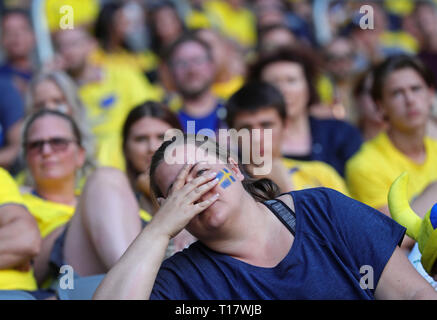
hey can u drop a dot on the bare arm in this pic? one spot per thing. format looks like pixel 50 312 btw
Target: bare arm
pixel 400 281
pixel 426 200
pixel 133 276
pixel 20 239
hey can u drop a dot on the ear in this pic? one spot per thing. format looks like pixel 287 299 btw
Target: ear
pixel 233 165
pixel 160 200
pixel 380 108
pixel 81 157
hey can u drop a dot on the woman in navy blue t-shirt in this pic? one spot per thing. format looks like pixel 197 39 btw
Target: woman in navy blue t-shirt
pixel 306 137
pixel 309 244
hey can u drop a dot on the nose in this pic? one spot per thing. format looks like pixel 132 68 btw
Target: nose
pixel 154 144
pixel 409 98
pixel 46 149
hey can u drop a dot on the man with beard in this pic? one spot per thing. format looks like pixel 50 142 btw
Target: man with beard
pixel 192 70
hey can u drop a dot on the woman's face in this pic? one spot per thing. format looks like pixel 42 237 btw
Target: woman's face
pixel 230 189
pixel 52 152
pixel 144 138
pixel 168 26
pixel 289 78
pixel 47 95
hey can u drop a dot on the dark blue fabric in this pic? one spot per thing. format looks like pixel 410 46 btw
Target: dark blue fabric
pixel 7 70
pixel 335 237
pixel 11 107
pixel 212 121
pixel 333 142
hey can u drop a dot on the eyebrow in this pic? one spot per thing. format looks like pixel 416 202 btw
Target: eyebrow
pixel 191 169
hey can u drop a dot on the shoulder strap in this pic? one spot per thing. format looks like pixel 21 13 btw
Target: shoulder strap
pixel 284 213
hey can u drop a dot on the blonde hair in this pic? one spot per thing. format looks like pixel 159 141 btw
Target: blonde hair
pixel 70 92
pixel 78 112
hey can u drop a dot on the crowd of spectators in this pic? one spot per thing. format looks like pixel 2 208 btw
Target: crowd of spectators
pixel 351 107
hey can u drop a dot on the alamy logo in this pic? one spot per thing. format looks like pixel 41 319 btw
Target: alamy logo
pixel 66 281
pixel 367 19
pixel 67 20
pixel 367 280
pixel 253 146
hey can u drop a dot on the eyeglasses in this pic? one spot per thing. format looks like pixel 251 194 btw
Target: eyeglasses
pixel 184 64
pixel 56 144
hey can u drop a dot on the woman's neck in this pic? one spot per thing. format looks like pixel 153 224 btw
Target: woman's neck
pixel 298 125
pixel 63 192
pixel 252 236
pixel 297 136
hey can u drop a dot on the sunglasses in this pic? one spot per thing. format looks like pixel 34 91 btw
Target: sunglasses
pixel 56 145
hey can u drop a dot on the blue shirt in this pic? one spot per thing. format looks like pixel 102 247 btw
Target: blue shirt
pixel 333 142
pixel 335 237
pixel 212 121
pixel 11 107
pixel 7 70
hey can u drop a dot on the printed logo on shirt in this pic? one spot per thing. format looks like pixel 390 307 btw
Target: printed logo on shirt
pixel 108 102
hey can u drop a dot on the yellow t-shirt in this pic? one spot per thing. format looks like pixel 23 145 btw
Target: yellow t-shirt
pixel 143 61
pixel 49 215
pixel 399 39
pixel 238 24
pixel 399 7
pixel 199 19
pixel 372 170
pixel 83 12
pixel 9 192
pixel 224 90
pixel 108 103
pixel 313 174
pixel 13 279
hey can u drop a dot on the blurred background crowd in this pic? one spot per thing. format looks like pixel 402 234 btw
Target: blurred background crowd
pixel 97 60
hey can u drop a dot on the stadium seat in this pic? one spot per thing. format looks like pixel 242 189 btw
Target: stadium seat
pixel 15 295
pixel 84 288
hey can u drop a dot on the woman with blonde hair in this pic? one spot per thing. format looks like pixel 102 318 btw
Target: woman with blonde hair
pixel 55 90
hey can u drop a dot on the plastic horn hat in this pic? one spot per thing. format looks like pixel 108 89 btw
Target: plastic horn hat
pixel 422 230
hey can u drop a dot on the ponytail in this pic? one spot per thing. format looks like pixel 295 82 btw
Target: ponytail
pixel 261 189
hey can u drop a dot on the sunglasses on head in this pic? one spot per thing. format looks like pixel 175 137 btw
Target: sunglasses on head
pixel 56 144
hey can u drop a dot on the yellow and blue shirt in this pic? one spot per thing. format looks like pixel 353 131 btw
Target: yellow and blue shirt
pixel 314 174
pixel 108 103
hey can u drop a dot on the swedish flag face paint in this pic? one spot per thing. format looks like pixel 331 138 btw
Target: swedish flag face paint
pixel 225 178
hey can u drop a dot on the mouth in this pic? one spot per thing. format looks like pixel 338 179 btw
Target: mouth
pixel 413 113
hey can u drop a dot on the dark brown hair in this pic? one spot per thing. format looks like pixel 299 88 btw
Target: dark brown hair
pixel 253 97
pixel 301 56
pixel 395 63
pixel 148 109
pixel 260 189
